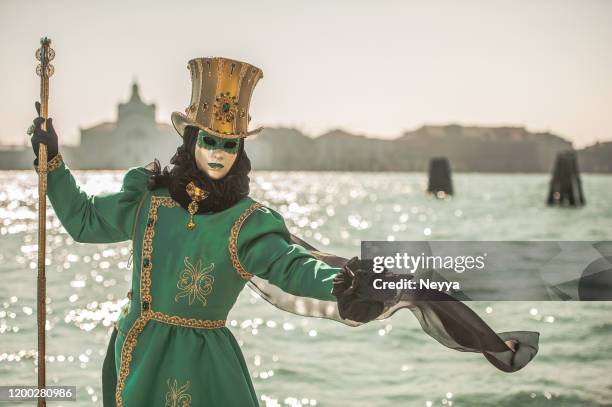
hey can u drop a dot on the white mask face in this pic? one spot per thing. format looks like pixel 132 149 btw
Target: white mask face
pixel 215 155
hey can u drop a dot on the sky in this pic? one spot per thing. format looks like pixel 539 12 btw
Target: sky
pixel 377 68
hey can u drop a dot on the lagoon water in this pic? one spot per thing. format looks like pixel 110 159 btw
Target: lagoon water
pixel 296 361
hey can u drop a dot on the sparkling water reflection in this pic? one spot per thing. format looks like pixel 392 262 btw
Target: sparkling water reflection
pixel 308 362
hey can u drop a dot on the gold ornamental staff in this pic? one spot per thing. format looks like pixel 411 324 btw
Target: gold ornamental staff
pixel 44 54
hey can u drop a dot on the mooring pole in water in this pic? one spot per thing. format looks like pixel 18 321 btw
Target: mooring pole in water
pixel 565 185
pixel 440 182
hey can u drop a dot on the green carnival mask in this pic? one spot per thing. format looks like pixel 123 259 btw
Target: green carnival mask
pixel 212 142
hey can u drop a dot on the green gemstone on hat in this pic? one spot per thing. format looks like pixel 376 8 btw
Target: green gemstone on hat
pixel 226 107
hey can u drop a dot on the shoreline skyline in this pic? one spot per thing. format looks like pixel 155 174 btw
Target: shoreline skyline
pixel 392 137
pixel 309 131
pixel 136 136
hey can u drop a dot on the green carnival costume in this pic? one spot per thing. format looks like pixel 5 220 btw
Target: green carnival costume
pixel 172 347
pixel 172 336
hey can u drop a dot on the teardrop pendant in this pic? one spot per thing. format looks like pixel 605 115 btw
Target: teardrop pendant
pixel 196 194
pixel 193 209
pixel 191 225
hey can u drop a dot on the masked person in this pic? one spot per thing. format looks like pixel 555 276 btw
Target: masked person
pixel 198 238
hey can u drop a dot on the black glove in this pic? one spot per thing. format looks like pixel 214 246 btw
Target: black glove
pixel 48 137
pixel 350 286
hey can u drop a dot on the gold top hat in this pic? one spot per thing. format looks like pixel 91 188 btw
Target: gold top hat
pixel 221 92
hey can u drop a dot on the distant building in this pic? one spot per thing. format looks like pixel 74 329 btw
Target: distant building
pixel 596 158
pixel 134 139
pixel 469 149
pixel 475 148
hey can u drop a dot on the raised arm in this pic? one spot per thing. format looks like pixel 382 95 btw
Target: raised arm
pixel 104 218
pixel 264 250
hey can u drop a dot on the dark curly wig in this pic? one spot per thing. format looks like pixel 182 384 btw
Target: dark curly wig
pixel 223 193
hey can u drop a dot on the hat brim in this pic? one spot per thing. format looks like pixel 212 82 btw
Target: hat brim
pixel 180 123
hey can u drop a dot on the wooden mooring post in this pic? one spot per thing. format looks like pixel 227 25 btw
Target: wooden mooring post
pixel 440 181
pixel 565 185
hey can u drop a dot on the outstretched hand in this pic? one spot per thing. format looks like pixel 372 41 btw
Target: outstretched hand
pixel 48 137
pixel 349 287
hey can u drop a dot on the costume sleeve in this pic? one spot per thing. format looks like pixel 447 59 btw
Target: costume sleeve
pixel 104 218
pixel 265 250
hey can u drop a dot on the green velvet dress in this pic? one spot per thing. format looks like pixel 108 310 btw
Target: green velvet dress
pixel 172 347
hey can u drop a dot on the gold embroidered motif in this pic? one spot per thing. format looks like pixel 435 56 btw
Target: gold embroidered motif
pixel 233 240
pixel 195 282
pixel 147 313
pixel 177 396
pixel 53 164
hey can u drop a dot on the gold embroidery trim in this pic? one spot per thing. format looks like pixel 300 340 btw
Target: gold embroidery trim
pixel 147 313
pixel 129 344
pixel 177 396
pixel 187 322
pixel 53 164
pixel 146 261
pixel 233 240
